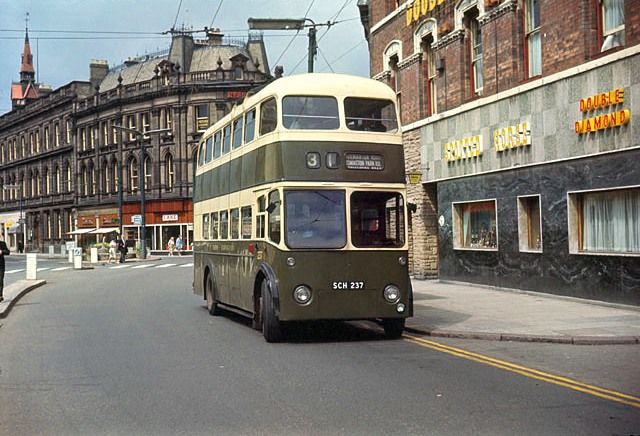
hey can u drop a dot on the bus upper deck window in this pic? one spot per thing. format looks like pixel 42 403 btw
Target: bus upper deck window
pixel 307 112
pixel 217 144
pixel 209 150
pixel 370 115
pixel 201 155
pixel 226 139
pixel 237 133
pixel 268 116
pixel 249 126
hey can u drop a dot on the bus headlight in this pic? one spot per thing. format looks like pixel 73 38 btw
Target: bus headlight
pixel 302 294
pixel 391 293
pixel 402 261
pixel 291 261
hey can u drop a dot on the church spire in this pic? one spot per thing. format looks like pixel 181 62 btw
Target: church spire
pixel 27 72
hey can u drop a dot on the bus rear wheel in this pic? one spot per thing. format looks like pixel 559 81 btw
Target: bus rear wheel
pixel 212 304
pixel 271 325
pixel 393 327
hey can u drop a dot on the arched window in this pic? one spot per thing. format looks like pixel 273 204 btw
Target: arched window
pixel 47 181
pixel 169 172
pixel 466 16
pixel 68 185
pixel 115 175
pixel 38 184
pixel 105 177
pixel 391 58
pixel 84 181
pixel 132 172
pixel 92 179
pixel 148 171
pixel 56 180
pixel 423 39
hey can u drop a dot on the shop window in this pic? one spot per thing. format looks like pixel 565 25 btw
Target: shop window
pixel 268 116
pixel 274 216
pixel 235 224
pixel 205 226
pixel 475 225
pixel 224 224
pixel 245 222
pixel 605 221
pixel 214 226
pixel 529 224
pixel 533 37
pixel 612 23
pixel 202 117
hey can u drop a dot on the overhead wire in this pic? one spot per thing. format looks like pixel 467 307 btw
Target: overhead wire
pixel 216 13
pixel 177 14
pixel 333 22
pixel 294 36
pixel 325 59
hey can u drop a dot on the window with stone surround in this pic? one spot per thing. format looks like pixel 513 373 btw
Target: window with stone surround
pixel 529 224
pixel 533 37
pixel 612 13
pixel 475 225
pixel 423 39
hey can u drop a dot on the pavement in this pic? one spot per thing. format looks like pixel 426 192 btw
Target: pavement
pixel 462 310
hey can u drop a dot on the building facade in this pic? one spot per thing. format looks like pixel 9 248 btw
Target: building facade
pixel 73 162
pixel 520 123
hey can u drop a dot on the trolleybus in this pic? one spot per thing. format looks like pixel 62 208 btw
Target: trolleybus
pixel 300 206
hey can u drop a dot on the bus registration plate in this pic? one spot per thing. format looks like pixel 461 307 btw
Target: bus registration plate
pixel 348 285
pixel 364 161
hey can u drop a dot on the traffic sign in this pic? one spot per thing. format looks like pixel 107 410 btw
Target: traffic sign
pixel 136 220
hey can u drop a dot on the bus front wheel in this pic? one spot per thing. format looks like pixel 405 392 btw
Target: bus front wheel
pixel 393 327
pixel 271 326
pixel 212 304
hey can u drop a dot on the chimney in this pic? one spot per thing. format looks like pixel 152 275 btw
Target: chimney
pixel 181 51
pixel 214 36
pixel 98 70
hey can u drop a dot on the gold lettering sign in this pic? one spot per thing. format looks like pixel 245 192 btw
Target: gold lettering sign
pixel 512 137
pixel 465 148
pixel 603 100
pixel 602 122
pixel 420 8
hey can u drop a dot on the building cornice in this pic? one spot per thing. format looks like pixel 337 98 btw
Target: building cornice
pixel 382 76
pixel 414 58
pixel 450 37
pixel 501 9
pixel 399 10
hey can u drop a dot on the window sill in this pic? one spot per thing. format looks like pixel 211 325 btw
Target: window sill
pixel 531 251
pixel 474 249
pixel 608 254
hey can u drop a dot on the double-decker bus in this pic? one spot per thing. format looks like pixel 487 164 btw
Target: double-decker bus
pixel 300 206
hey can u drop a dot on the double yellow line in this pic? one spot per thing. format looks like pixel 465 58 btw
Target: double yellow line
pixel 608 394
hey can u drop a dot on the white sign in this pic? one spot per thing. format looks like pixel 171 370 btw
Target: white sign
pixel 170 217
pixel 136 219
pixel 70 245
pixel 32 266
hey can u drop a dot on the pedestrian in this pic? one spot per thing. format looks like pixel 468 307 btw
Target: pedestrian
pixel 4 251
pixel 20 247
pixel 171 245
pixel 122 248
pixel 179 245
pixel 113 246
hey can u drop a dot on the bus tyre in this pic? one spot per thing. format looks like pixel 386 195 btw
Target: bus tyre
pixel 212 305
pixel 271 326
pixel 393 327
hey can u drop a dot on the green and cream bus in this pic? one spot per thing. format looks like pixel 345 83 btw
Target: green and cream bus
pixel 300 206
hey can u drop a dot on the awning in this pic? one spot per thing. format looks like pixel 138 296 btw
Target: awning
pixel 103 230
pixel 80 231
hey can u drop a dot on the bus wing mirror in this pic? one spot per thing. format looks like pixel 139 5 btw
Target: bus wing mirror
pixel 272 206
pixel 412 207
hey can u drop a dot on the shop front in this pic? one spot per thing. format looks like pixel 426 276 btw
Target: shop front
pixel 163 220
pixel 11 230
pixel 96 226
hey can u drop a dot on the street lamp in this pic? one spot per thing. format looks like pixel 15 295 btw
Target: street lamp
pixel 20 220
pixel 291 24
pixel 139 136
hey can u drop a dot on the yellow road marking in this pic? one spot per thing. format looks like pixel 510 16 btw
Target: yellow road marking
pixel 608 394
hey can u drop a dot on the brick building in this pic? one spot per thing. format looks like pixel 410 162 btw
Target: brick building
pixel 69 172
pixel 520 121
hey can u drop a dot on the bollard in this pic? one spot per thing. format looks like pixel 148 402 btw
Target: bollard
pixel 32 266
pixel 77 258
pixel 70 255
pixel 94 255
pixel 63 250
pixel 51 249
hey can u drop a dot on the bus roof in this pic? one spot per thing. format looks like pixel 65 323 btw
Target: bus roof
pixel 338 85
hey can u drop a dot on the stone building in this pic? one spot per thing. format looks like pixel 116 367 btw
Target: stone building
pixel 520 123
pixel 70 172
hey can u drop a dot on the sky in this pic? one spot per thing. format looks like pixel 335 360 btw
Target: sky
pixel 65 35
